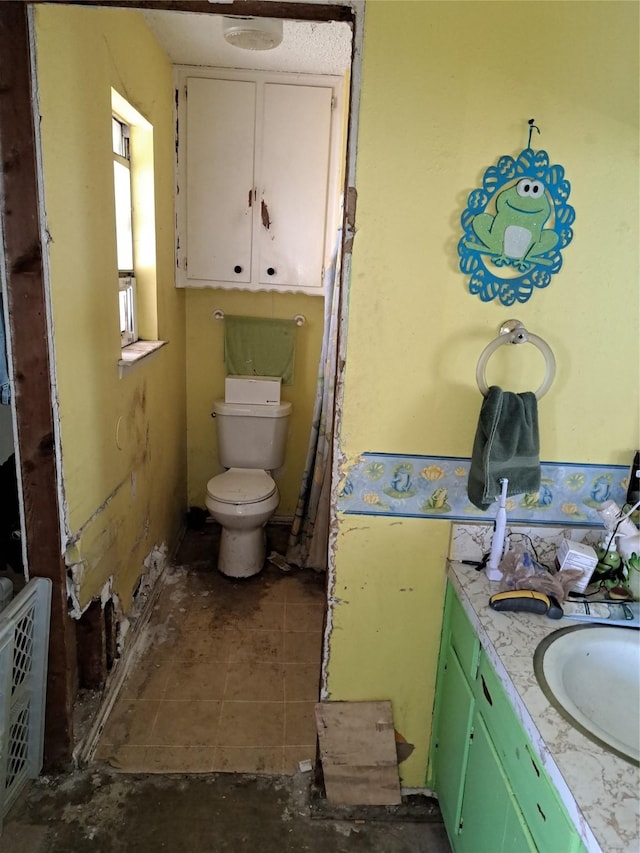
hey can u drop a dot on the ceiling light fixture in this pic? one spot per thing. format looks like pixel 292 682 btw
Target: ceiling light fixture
pixel 252 33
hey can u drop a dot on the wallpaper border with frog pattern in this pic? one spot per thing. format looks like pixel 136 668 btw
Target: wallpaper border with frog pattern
pixel 414 486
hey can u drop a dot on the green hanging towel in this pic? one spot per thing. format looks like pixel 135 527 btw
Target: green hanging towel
pixel 506 444
pixel 259 346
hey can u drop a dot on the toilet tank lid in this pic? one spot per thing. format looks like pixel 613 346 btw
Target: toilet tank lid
pixel 252 410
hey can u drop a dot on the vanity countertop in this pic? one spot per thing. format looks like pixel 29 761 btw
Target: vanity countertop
pixel 600 791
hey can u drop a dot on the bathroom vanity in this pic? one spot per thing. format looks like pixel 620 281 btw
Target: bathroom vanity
pixel 510 773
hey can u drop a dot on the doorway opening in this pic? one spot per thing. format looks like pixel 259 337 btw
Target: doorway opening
pixel 60 730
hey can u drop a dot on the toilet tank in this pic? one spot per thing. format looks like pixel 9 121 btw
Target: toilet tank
pixel 251 435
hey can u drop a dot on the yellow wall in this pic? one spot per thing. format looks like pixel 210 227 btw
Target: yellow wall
pixel 123 440
pixel 447 88
pixel 206 373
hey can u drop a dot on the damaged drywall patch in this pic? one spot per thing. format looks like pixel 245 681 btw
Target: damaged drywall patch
pixel 341 466
pixel 154 565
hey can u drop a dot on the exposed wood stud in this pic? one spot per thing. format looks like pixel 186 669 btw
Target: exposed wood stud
pixel 28 336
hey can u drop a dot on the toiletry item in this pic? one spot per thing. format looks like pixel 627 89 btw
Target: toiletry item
pixel 608 557
pixel 527 601
pixel 615 520
pixel 625 613
pixel 628 545
pixel 493 570
pixel 576 555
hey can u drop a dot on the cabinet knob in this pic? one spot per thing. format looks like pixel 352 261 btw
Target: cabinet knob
pixel 237 268
pixel 271 270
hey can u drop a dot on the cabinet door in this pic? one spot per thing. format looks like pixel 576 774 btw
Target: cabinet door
pixel 220 179
pixel 293 183
pixel 491 821
pixel 537 798
pixel 455 712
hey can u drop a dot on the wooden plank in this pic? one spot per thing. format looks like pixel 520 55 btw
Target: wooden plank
pixel 358 753
pixel 245 8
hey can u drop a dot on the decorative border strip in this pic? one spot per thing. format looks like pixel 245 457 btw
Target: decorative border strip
pixel 413 486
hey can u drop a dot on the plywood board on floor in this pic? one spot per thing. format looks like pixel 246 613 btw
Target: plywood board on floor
pixel 358 753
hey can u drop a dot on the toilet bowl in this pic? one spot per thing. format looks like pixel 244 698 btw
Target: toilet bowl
pixel 242 500
pixel 251 445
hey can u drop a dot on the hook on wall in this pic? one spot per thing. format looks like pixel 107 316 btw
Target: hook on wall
pixel 532 126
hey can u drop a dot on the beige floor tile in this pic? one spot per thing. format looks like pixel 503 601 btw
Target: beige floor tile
pixel 128 759
pixel 293 755
pixel 257 681
pixel 173 601
pixel 130 722
pixel 146 680
pixel 304 617
pixel 264 616
pixel 160 641
pixel 303 647
pixel 251 724
pixel 300 726
pixel 201 648
pixel 301 682
pixel 302 589
pixel 186 680
pixel 255 645
pixel 248 759
pixel 273 590
pixel 179 759
pixel 202 620
pixel 189 723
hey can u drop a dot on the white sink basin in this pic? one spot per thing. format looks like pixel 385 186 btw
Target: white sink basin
pixel 591 675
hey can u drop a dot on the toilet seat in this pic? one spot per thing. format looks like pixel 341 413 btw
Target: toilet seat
pixel 241 486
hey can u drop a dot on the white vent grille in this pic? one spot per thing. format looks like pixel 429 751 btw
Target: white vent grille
pixel 24 641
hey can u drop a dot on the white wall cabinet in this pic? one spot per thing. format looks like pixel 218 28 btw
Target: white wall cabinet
pixel 258 171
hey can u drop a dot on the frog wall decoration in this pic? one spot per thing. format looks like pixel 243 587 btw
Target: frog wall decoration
pixel 515 227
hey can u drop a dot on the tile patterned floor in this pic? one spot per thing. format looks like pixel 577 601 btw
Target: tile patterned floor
pixel 228 674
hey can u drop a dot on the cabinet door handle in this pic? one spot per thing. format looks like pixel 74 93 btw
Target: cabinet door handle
pixel 485 690
pixel 535 766
pixel 237 268
pixel 271 270
pixel 264 210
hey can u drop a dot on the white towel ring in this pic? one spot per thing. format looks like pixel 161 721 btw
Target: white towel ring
pixel 513 332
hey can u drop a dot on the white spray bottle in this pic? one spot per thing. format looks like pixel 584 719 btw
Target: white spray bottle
pixel 497 543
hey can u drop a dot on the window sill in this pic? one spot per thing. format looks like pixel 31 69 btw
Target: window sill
pixel 132 355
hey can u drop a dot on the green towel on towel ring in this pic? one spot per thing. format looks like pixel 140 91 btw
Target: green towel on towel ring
pixel 507 444
pixel 259 346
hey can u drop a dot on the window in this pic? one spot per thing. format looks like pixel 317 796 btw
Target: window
pixel 121 135
pixel 135 224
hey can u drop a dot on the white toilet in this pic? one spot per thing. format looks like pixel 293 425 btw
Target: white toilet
pixel 251 444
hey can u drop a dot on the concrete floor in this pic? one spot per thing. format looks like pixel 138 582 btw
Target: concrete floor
pixel 102 811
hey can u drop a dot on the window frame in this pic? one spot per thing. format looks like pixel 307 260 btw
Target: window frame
pixel 127 296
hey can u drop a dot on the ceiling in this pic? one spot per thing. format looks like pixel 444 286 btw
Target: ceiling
pixel 308 47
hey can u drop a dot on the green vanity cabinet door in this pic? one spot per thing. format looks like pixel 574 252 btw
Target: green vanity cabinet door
pixel 494 793
pixel 491 821
pixel 462 636
pixel 451 743
pixel 459 653
pixel 537 797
